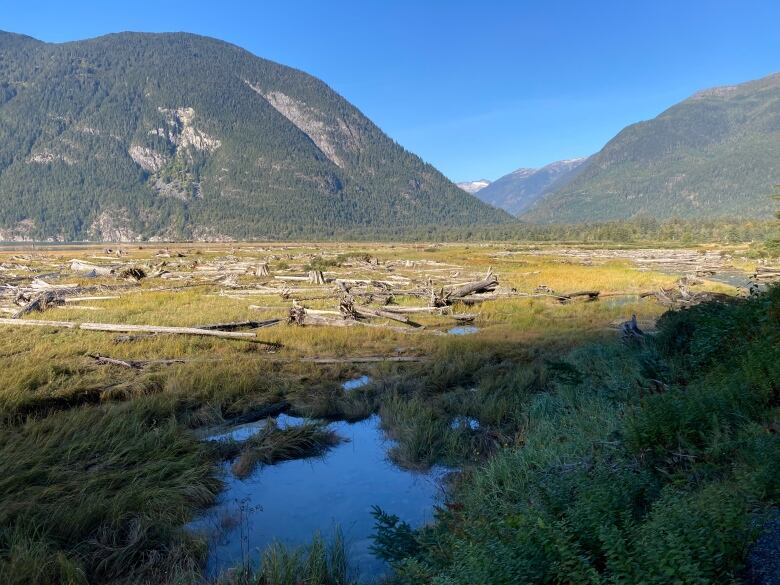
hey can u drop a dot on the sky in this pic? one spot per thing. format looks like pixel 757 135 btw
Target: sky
pixel 477 88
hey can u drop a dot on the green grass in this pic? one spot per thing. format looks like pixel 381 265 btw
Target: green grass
pixel 272 445
pixel 321 563
pixel 616 481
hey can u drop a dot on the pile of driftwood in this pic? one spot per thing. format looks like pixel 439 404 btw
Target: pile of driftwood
pixel 700 262
pixel 350 312
pixel 767 274
pixel 680 295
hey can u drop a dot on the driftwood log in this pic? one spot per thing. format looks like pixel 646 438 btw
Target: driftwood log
pixel 487 284
pixel 88 269
pixel 40 303
pixel 631 331
pixel 124 328
pixel 592 295
pixel 236 325
pixel 132 364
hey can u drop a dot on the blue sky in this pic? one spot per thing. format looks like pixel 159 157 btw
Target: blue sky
pixel 475 88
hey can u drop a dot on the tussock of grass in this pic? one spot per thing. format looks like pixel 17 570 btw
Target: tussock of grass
pixel 320 563
pixel 272 445
pixel 101 494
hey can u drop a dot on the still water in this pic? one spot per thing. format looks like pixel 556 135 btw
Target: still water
pixel 292 500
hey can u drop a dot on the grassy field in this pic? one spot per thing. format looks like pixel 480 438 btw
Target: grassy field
pixel 102 464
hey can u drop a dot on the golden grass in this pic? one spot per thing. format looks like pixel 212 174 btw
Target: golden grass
pixel 53 365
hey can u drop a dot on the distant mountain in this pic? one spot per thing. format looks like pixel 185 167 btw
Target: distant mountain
pixel 715 154
pixel 520 189
pixel 473 186
pixel 132 136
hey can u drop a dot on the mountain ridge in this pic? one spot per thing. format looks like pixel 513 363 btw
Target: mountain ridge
pixel 133 136
pixel 714 154
pixel 517 191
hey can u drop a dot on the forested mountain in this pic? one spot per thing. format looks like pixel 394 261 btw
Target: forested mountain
pixel 715 154
pixel 520 189
pixel 133 135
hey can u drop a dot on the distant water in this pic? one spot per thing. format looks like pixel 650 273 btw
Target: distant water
pixel 735 278
pixel 356 383
pixel 246 430
pixel 463 330
pixel 292 500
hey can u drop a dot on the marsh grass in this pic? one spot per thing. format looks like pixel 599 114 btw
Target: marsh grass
pixel 273 445
pixel 101 468
pixel 618 481
pixel 321 562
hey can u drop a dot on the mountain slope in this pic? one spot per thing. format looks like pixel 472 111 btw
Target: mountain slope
pixel 137 135
pixel 715 154
pixel 473 186
pixel 518 190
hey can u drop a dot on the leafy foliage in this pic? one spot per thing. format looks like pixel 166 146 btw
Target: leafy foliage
pixel 647 464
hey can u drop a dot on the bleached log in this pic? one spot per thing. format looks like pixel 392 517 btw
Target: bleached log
pixel 262 269
pixel 292 278
pixel 126 328
pixel 114 362
pixel 39 303
pixel 88 269
pixel 395 309
pixel 363 360
pixel 81 299
pixel 371 312
pixel 591 294
pixel 235 325
pixel 323 312
pixel 489 283
pixel 39 284
pixel 39 323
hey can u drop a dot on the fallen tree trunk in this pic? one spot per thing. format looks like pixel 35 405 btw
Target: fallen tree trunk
pixel 591 294
pixel 364 360
pixel 236 325
pixel 80 299
pixel 488 284
pixel 123 328
pixel 126 328
pixel 371 312
pixel 91 269
pixel 39 303
pixel 38 323
pixel 394 309
pixel 132 364
pixel 114 362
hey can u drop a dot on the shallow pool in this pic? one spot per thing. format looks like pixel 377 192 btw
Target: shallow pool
pixel 356 383
pixel 463 330
pixel 290 501
pixel 242 432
